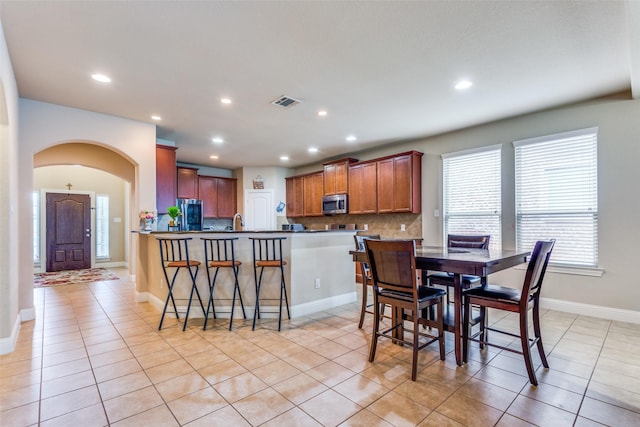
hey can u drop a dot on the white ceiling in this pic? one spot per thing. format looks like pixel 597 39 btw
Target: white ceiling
pixel 384 70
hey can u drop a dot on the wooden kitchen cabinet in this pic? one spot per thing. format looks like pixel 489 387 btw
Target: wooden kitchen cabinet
pixel 295 196
pixel 227 197
pixel 218 196
pixel 313 192
pixel 400 183
pixel 166 177
pixel 336 176
pixel 187 183
pixel 363 188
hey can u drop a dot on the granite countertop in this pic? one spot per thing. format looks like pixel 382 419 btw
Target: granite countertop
pixel 239 231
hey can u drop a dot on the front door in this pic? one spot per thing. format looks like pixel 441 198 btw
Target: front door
pixel 68 231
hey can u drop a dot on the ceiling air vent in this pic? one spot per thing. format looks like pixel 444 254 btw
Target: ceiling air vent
pixel 285 102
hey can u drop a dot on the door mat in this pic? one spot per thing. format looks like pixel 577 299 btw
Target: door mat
pixel 72 276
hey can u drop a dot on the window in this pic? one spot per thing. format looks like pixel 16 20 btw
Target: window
pixel 35 203
pixel 472 193
pixel 557 195
pixel 102 226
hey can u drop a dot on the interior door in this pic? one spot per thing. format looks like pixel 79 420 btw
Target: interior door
pixel 68 231
pixel 259 210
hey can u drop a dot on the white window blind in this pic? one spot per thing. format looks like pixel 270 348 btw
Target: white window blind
pixel 557 195
pixel 472 193
pixel 102 226
pixel 35 203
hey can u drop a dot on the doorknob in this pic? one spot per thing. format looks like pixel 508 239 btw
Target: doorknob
pixel 88 231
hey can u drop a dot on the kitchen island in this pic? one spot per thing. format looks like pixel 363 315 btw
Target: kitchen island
pixel 312 257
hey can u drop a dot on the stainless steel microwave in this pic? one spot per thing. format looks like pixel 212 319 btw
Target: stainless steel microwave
pixel 335 204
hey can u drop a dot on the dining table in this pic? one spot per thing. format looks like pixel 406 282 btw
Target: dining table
pixel 459 262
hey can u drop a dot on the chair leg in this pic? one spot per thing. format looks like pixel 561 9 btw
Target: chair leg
pixel 416 343
pixel 256 311
pixel 466 307
pixel 483 326
pixel 440 314
pixel 244 314
pixel 526 351
pixel 538 336
pixel 363 307
pixel 169 297
pixel 376 325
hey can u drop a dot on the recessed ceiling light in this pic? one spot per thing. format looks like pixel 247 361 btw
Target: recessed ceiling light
pixel 463 84
pixel 225 100
pixel 351 138
pixel 322 113
pixel 217 140
pixel 214 157
pixel 284 158
pixel 101 78
pixel 156 118
pixel 313 150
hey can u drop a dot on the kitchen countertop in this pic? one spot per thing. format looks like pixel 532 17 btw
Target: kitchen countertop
pixel 241 231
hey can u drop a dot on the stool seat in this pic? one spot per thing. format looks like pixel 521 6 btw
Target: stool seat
pixel 270 263
pixel 222 264
pixel 174 254
pixel 179 264
pixel 220 253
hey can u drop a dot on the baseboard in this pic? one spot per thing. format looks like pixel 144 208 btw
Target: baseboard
pixel 27 314
pixel 609 313
pixel 8 344
pixel 266 311
pixel 112 264
pixel 322 304
pixel 142 296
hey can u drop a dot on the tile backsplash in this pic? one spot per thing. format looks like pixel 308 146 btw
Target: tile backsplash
pixel 386 225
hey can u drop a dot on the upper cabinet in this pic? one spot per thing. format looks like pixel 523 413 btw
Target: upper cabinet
pixel 400 183
pixel 313 191
pixel 165 178
pixel 218 196
pixel 363 193
pixel 295 196
pixel 336 176
pixel 391 184
pixel 187 183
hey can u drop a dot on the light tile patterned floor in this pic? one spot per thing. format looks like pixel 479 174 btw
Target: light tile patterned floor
pixel 95 357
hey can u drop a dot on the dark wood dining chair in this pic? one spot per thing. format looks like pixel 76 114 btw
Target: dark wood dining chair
pixel 367 282
pixel 439 278
pixel 393 270
pixel 515 301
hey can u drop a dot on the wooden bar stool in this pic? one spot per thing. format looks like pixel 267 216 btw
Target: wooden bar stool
pixel 267 253
pixel 220 253
pixel 174 253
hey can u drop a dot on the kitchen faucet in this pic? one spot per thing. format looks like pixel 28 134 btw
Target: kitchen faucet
pixel 237 215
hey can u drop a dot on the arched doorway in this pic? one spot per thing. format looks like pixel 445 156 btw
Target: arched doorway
pixel 93 156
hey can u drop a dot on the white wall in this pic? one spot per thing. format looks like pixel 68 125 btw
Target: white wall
pixel 9 218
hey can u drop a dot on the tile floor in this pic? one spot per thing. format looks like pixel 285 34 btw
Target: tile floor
pixel 94 357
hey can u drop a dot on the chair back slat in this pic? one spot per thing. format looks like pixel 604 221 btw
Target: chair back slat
pixel 174 249
pixel 536 269
pixel 359 240
pixel 267 249
pixel 219 249
pixel 468 241
pixel 393 265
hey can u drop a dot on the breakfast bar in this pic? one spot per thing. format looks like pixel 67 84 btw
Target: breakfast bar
pixel 318 275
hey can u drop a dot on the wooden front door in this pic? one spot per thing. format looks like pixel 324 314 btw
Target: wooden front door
pixel 68 231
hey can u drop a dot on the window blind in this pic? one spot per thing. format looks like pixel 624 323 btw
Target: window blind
pixel 557 195
pixel 472 193
pixel 102 226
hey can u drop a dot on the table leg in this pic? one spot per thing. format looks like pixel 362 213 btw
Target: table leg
pixel 457 323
